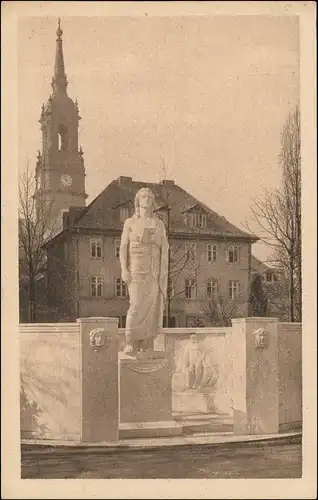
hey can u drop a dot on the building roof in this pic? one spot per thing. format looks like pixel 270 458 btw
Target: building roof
pixel 103 212
pixel 261 267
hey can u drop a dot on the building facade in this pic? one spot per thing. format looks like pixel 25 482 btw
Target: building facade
pixel 208 256
pixel 275 286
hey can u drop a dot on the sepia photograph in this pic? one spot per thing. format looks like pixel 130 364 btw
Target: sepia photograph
pixel 160 243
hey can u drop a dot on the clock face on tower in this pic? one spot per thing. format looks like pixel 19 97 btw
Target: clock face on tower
pixel 66 180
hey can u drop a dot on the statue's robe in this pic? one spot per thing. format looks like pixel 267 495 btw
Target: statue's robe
pixel 148 265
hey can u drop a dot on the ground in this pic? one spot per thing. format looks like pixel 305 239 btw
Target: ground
pixel 267 459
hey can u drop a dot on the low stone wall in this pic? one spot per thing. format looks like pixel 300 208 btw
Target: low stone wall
pixel 50 381
pixel 290 375
pixel 67 386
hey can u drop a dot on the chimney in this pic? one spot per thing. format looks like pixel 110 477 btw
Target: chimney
pixel 167 182
pixel 123 181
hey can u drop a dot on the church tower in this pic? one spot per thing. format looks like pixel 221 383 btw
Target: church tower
pixel 60 171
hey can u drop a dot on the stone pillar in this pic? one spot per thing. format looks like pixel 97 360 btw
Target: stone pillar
pixel 254 351
pixel 99 379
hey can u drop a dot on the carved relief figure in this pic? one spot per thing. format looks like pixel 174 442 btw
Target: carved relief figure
pixel 195 370
pixel 193 361
pixel 144 265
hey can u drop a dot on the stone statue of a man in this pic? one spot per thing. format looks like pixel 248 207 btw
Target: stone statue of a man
pixel 144 265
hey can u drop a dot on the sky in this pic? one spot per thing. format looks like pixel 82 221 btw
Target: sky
pixel 204 96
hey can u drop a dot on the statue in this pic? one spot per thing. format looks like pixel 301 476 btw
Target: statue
pixel 144 266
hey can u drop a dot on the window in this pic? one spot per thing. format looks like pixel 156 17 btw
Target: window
pixel 96 248
pixel 234 289
pixel 233 253
pixel 211 288
pixel 117 248
pixel 121 321
pixel 194 322
pixel 201 220
pixel 196 219
pixel 270 277
pixel 120 288
pixel 190 249
pixel 124 213
pixel 190 288
pixel 62 137
pixel 172 322
pixel 211 252
pixel 96 286
pixel 190 218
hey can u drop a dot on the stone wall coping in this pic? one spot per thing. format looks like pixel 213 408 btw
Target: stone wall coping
pixel 48 325
pixel 98 320
pixel 289 324
pixel 255 320
pixel 188 331
pixel 49 328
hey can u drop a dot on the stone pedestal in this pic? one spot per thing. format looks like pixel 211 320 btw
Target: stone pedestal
pixel 254 351
pixel 144 388
pixel 99 376
pixel 146 396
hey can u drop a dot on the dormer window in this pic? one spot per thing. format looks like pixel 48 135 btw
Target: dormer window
pixel 191 220
pixel 201 220
pixel 123 213
pixel 195 218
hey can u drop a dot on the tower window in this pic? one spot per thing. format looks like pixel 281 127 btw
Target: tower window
pixel 62 137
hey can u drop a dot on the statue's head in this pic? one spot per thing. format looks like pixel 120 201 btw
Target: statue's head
pixel 144 199
pixel 97 338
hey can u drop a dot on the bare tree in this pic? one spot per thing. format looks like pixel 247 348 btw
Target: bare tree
pixel 219 310
pixel 258 298
pixel 180 259
pixel 35 229
pixel 278 214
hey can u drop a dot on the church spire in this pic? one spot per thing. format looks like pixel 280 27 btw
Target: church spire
pixel 59 81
